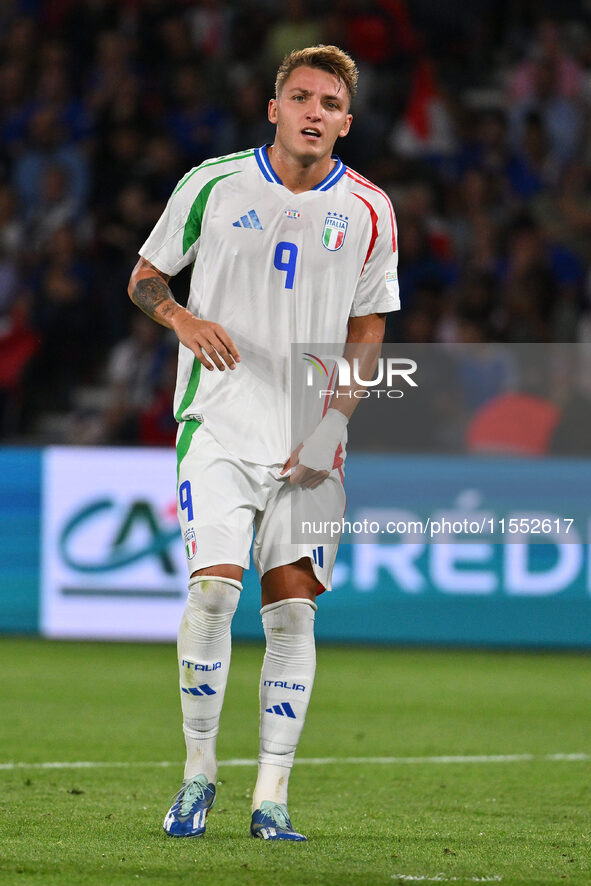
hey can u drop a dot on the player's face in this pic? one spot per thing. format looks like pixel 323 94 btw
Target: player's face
pixel 311 112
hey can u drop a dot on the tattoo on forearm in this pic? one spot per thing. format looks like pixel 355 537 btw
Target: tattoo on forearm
pixel 150 294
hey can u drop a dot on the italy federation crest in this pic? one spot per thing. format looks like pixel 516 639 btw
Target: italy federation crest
pixel 335 230
pixel 190 543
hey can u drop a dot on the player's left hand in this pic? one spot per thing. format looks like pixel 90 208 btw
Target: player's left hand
pixel 300 474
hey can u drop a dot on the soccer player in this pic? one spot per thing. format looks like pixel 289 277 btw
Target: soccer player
pixel 288 245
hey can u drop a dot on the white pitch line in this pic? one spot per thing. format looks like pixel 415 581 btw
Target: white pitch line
pixel 442 878
pixel 313 761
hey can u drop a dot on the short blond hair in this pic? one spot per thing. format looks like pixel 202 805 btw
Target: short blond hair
pixel 328 58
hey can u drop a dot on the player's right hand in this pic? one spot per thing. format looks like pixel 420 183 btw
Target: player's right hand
pixel 209 341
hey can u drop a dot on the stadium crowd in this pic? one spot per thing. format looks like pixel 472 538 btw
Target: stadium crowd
pixel 475 118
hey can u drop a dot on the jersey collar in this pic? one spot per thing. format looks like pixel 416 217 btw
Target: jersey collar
pixel 262 158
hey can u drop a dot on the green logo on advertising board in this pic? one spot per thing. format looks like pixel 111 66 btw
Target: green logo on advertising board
pixel 140 515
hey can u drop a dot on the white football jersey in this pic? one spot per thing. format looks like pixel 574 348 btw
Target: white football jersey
pixel 273 268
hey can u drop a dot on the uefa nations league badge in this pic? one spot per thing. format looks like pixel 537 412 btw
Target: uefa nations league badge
pixel 190 543
pixel 335 229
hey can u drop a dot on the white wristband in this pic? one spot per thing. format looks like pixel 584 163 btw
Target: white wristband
pixel 319 448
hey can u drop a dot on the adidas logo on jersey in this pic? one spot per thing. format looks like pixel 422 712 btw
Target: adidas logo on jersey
pixel 251 220
pixel 284 710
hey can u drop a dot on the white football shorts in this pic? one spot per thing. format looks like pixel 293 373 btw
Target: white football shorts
pixel 220 499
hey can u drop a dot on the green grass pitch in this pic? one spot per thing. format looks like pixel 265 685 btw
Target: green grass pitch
pixel 513 821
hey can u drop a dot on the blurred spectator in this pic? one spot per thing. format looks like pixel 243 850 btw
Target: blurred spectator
pixel 157 425
pixel 250 23
pixel 17 340
pixel 135 373
pixel 82 22
pixel 248 125
pixel 56 209
pixel 418 205
pixel 547 46
pixel 130 223
pixel 543 283
pixel 131 111
pixel 295 29
pixel 484 142
pixel 63 316
pixel 484 369
pixel 532 168
pixel 20 43
pixel 117 164
pixel 48 147
pixel 566 214
pixel 195 120
pixel 159 169
pixel 380 31
pixel 476 213
pixel 11 228
pixel 419 262
pixel 55 92
pixel 113 66
pixel 14 108
pixel 18 344
pixel 476 310
pixel 528 285
pixel 9 283
pixel 210 25
pixel 122 233
pixel 559 117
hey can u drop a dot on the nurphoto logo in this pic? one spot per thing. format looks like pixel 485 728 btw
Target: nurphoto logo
pixel 347 375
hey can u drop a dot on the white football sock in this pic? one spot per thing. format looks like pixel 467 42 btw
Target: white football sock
pixel 204 648
pixel 286 684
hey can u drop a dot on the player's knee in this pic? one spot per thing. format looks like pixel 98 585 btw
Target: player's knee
pixel 294 615
pixel 213 595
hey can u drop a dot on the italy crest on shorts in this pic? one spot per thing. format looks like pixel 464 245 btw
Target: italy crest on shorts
pixel 190 543
pixel 335 230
